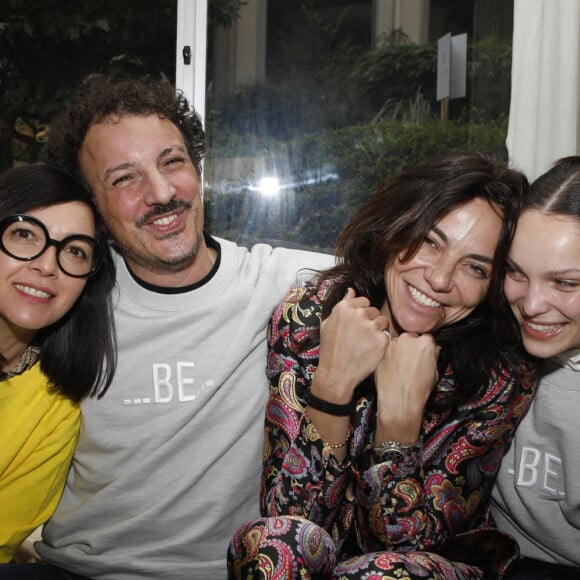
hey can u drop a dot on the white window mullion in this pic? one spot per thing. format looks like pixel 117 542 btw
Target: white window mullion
pixel 192 32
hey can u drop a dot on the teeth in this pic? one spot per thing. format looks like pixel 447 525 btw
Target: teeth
pixel 33 291
pixel 543 327
pixel 164 221
pixel 422 298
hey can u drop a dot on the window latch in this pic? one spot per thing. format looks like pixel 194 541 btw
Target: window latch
pixel 186 55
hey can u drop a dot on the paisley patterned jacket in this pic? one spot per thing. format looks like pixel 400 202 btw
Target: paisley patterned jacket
pixel 434 500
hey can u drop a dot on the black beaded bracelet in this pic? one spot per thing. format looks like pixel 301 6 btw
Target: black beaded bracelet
pixel 328 407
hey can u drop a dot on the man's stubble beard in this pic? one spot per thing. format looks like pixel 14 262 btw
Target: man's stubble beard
pixel 160 265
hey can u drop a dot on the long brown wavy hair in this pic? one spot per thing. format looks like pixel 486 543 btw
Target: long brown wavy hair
pixel 396 219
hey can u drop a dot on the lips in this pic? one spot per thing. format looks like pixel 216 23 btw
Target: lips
pixel 543 327
pixel 422 299
pixel 34 292
pixel 167 224
pixel 165 221
pixel 164 215
pixel 541 331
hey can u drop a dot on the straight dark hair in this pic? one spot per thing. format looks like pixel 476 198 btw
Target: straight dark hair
pixel 396 219
pixel 78 352
pixel 557 191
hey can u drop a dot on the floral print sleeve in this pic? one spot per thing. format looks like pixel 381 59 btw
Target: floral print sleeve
pixel 298 467
pixel 438 492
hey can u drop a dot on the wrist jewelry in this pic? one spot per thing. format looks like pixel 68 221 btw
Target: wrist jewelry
pixel 338 445
pixel 391 450
pixel 328 407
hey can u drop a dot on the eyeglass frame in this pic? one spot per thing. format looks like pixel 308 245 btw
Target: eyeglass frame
pixel 6 222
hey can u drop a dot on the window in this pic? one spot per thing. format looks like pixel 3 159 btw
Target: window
pixel 311 103
pixel 307 104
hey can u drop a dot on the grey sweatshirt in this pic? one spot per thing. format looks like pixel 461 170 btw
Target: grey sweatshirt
pixel 537 494
pixel 168 463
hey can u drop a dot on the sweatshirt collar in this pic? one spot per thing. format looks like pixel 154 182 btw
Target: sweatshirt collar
pixel 569 359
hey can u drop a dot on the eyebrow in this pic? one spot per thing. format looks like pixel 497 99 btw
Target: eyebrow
pixel 558 273
pixel 477 257
pixel 115 168
pixel 481 258
pixel 169 150
pixel 549 274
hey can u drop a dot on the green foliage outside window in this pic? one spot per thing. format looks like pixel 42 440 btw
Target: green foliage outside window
pixel 332 139
pixel 332 118
pixel 311 214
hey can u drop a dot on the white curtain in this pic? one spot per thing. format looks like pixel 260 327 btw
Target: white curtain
pixel 544 122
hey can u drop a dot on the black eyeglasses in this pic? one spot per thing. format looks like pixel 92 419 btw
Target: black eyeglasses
pixel 26 238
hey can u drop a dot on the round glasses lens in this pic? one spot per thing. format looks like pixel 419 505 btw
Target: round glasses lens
pixel 24 239
pixel 78 255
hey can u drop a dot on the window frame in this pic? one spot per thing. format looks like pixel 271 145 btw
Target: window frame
pixel 192 32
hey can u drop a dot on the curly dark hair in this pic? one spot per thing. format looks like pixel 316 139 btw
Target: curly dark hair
pixel 101 97
pixel 78 352
pixel 396 219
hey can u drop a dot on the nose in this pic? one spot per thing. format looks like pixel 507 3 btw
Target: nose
pixel 535 301
pixel 440 276
pixel 160 190
pixel 46 263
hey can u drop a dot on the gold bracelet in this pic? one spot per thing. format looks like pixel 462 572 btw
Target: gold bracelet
pixel 329 445
pixel 338 445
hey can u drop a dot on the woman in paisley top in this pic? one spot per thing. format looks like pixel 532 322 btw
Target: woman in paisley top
pixel 397 380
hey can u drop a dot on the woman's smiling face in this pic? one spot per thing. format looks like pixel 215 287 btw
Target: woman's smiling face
pixel 37 293
pixel 448 277
pixel 543 282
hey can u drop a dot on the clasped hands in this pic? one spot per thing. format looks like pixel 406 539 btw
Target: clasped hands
pixel 353 346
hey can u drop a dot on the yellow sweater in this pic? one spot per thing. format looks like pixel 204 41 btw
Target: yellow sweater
pixel 38 433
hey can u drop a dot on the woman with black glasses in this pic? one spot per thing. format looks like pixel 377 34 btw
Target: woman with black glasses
pixel 57 342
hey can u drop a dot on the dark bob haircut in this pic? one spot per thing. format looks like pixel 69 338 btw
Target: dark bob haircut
pixel 78 352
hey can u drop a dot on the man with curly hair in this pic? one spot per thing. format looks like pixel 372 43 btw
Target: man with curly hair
pixel 168 461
